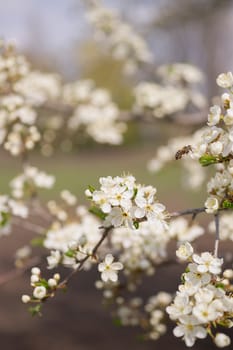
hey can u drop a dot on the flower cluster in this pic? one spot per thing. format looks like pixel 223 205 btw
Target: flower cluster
pixel 42 289
pixel 123 202
pixel 182 231
pixel 181 73
pixel 95 111
pixel 17 130
pixel 155 307
pixel 194 176
pixel 71 241
pixel 122 40
pixel 25 91
pixel 126 220
pixel 128 312
pixel 37 87
pixel 8 207
pixel 141 250
pixel 173 95
pixel 214 145
pixel 159 100
pixel 12 66
pixel 202 302
pixel 29 181
pixel 220 189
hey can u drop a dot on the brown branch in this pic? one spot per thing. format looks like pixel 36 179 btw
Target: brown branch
pixel 82 262
pixel 193 212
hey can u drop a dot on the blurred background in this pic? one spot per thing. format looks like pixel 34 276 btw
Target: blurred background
pixel 56 37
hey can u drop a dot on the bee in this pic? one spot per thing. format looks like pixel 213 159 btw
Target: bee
pixel 183 151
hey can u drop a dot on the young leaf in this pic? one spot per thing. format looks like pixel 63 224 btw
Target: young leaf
pixel 97 212
pixel 35 310
pixel 207 160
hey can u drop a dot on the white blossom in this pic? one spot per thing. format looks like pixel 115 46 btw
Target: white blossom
pixel 211 205
pixel 25 298
pixel 185 251
pixel 109 269
pixel 222 340
pixel 39 292
pixel 225 80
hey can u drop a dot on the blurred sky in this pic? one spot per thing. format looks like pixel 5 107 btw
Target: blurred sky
pixel 42 26
pixel 52 29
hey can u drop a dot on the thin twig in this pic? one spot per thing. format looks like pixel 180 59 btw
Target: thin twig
pixel 82 262
pixel 194 212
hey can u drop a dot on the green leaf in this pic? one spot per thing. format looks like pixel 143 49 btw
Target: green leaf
pixel 220 285
pixel 227 204
pixel 141 337
pixel 5 218
pixel 43 282
pixel 136 224
pixel 97 212
pixel 135 192
pixel 70 253
pixel 117 322
pixel 91 188
pixel 37 242
pixel 226 323
pixel 35 310
pixel 208 160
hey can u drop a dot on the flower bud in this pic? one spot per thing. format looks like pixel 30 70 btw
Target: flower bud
pixel 35 271
pixel 222 340
pixel 39 292
pixel 25 298
pixel 52 282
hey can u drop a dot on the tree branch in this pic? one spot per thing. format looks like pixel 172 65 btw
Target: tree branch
pixel 82 262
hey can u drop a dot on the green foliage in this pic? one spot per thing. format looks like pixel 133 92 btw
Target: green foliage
pixel 35 310
pixel 220 285
pixel 117 322
pixel 5 218
pixel 136 224
pixel 91 188
pixel 208 160
pixel 227 204
pixel 37 242
pixel 97 212
pixel 70 253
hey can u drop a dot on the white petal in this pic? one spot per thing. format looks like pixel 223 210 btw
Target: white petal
pixel 106 208
pixel 139 213
pixel 105 276
pixel 101 267
pixel 117 266
pixel 109 259
pixel 178 331
pixel 113 276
